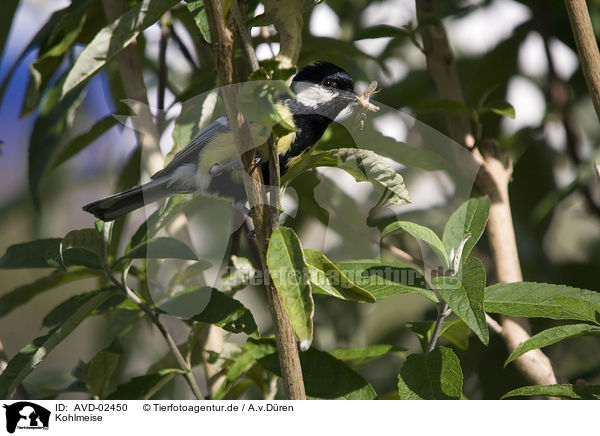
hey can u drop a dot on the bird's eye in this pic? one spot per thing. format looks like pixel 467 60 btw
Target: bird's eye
pixel 329 83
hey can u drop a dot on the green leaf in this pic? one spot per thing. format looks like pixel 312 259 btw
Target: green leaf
pixel 255 349
pixel 563 391
pixel 326 377
pixel 258 101
pixel 384 279
pixel 76 26
pixel 67 308
pixel 144 386
pixel 41 37
pixel 98 371
pixel 45 253
pixel 184 276
pixel 370 352
pixel 272 69
pixel 161 248
pixel 41 253
pixel 552 336
pixel 471 217
pixel 6 19
pixel 196 8
pixel 80 142
pixel 455 331
pixel 372 139
pixel 199 103
pixel 380 31
pixel 287 17
pixel 89 240
pixel 433 376
pixel 290 274
pixel 239 274
pixel 335 50
pixel 363 165
pixel 30 356
pixel 502 108
pixel 423 233
pixel 174 206
pixel 465 296
pixel 543 300
pixel 112 39
pixel 55 116
pixel 212 307
pixel 23 294
pixel 326 278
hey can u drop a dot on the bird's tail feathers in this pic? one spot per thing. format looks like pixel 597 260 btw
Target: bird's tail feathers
pixel 116 205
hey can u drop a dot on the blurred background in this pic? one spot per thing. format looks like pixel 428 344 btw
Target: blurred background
pixel 521 52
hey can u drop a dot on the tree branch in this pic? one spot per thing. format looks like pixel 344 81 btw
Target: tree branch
pixel 443 313
pixel 165 31
pixel 183 364
pixel 587 47
pixel 493 179
pixel 245 38
pixel 287 350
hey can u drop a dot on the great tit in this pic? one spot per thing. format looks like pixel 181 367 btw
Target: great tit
pixel 210 162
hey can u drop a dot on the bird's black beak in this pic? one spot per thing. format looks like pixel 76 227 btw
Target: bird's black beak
pixel 349 95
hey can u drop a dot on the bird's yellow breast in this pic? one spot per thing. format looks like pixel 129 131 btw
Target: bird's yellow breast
pixel 222 148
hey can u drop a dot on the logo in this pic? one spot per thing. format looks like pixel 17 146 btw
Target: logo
pixel 26 415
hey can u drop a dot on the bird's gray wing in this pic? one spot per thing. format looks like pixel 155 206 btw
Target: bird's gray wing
pixel 189 154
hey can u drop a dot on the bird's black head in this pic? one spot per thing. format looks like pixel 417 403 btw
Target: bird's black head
pixel 327 75
pixel 323 89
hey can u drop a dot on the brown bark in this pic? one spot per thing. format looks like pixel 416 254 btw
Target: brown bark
pixel 287 350
pixel 587 47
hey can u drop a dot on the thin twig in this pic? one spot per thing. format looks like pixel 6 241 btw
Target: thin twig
pixel 443 313
pixel 183 49
pixel 162 69
pixel 274 183
pixel 187 371
pixel 122 286
pixel 243 32
pixel 559 96
pixel 587 47
pixel 493 324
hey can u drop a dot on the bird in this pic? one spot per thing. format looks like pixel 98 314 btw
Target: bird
pixel 211 164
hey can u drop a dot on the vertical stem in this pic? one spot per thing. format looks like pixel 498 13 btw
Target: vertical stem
pixel 245 38
pixel 442 70
pixel 443 313
pixel 287 350
pixel 183 49
pixel 162 69
pixel 183 364
pixel 587 47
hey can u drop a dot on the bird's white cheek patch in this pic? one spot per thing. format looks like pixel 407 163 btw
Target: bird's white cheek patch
pixel 314 95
